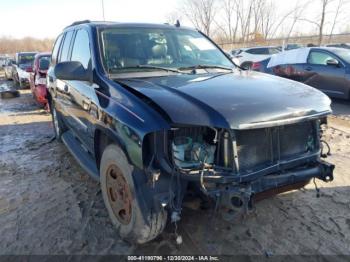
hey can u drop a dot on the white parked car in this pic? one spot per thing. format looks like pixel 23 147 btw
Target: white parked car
pixel 22 67
pixel 245 57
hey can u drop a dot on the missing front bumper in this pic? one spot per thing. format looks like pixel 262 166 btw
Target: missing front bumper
pixel 240 197
pixel 225 183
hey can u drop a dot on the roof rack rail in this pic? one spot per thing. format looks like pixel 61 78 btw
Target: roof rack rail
pixel 80 22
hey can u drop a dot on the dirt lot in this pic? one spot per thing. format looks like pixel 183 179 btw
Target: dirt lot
pixel 48 205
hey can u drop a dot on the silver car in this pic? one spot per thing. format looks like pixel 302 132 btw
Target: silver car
pixel 8 68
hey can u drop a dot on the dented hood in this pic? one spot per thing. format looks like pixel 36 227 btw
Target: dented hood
pixel 238 100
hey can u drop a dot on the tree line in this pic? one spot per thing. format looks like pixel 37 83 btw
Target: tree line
pixel 253 20
pixel 10 45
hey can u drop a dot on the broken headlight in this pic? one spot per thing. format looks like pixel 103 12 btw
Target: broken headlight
pixel 193 147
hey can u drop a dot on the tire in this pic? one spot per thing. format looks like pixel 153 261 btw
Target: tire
pixel 58 126
pixel 129 215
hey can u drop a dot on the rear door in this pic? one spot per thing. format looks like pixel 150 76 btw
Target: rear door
pixel 62 96
pixel 330 79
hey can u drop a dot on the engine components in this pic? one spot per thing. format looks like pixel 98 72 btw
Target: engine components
pixel 189 154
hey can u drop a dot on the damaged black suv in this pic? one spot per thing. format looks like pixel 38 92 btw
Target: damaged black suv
pixel 152 111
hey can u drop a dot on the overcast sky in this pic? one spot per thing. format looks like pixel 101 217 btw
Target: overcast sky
pixel 47 18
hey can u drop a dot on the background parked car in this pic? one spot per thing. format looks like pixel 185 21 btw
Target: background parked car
pixel 38 77
pixel 8 68
pixel 2 60
pixel 343 45
pixel 234 52
pixel 292 46
pixel 327 68
pixel 245 57
pixel 23 66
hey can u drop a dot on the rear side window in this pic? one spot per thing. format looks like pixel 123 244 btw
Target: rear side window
pixel 250 51
pixel 319 58
pixel 273 51
pixel 65 47
pixel 81 48
pixel 55 50
pixel 258 51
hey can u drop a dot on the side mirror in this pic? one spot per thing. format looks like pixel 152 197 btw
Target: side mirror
pixel 332 62
pixel 71 70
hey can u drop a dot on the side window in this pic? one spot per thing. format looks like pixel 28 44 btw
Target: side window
pixel 273 51
pixel 55 50
pixel 264 51
pixel 258 51
pixel 319 58
pixel 65 47
pixel 81 48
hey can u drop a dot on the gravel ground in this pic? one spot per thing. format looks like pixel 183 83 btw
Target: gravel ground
pixel 48 205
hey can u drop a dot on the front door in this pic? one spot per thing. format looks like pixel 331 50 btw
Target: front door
pixel 330 79
pixel 82 112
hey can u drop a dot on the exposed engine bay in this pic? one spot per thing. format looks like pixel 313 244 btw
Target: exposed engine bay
pixel 234 168
pixel 193 148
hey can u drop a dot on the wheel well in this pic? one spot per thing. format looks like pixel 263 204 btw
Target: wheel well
pixel 101 141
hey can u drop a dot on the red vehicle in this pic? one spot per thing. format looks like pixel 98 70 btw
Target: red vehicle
pixel 38 77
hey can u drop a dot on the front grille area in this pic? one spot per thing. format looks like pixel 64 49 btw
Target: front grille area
pixel 259 148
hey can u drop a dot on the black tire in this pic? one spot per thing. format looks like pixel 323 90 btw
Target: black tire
pixel 58 126
pixel 135 223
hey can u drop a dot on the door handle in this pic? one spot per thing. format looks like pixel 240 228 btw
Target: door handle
pixel 65 88
pixel 309 68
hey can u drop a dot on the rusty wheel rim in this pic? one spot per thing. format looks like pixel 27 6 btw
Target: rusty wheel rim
pixel 119 194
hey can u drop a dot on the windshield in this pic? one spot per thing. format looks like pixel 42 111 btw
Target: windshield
pixel 26 59
pixel 342 53
pixel 132 49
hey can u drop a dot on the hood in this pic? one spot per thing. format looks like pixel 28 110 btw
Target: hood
pixel 238 100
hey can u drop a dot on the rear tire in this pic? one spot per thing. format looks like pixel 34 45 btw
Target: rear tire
pixel 134 222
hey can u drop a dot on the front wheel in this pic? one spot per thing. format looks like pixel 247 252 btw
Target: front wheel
pixel 57 122
pixel 135 222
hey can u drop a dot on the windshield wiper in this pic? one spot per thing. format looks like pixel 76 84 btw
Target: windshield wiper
pixel 194 67
pixel 151 67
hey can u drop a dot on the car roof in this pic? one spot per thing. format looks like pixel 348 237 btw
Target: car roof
pixel 43 54
pixel 104 24
pixel 27 53
pixel 296 56
pixel 326 48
